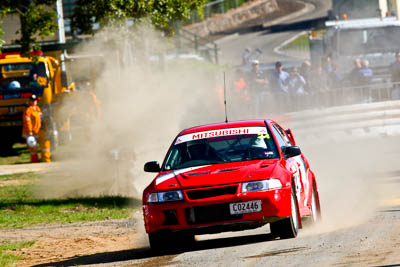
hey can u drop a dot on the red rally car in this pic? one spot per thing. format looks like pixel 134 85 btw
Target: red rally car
pixel 228 177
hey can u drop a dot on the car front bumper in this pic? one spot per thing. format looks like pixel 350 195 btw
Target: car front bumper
pixel 212 215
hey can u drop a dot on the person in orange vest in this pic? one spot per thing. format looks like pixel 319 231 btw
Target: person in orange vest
pixel 33 127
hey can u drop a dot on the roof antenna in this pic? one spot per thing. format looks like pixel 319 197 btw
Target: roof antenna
pixel 226 114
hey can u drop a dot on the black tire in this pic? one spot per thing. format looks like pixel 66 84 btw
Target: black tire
pixel 157 241
pixel 167 241
pixel 289 227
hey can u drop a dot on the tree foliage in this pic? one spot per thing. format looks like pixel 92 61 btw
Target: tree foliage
pixel 37 18
pixel 162 13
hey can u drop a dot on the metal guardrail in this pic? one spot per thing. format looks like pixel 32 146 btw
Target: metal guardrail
pixel 217 7
pixel 270 103
pixel 346 122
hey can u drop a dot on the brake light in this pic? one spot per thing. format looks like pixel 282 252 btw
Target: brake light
pixel 26 95
pixel 10 55
pixel 1 97
pixel 36 53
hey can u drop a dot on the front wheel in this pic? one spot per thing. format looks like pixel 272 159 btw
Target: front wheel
pixel 167 241
pixel 289 227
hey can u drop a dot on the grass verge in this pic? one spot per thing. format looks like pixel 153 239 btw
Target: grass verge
pixel 19 176
pixel 301 43
pixel 19 208
pixel 6 257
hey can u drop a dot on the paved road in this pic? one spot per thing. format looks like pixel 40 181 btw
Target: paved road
pixel 269 37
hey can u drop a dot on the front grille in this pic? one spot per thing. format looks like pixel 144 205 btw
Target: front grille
pixel 211 192
pixel 210 214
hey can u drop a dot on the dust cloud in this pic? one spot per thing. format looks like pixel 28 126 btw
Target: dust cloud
pixel 146 99
pixel 355 178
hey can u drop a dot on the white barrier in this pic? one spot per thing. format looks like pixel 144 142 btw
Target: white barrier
pixel 361 120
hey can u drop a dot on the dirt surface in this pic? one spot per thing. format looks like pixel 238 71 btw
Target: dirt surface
pixel 62 243
pixel 123 243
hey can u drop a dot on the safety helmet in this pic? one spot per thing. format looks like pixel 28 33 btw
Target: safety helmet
pixel 14 85
pixel 31 141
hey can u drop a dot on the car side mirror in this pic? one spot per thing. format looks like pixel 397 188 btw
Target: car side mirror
pixel 292 151
pixel 152 166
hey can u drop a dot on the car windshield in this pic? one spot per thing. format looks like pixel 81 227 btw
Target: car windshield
pixel 221 146
pixel 23 73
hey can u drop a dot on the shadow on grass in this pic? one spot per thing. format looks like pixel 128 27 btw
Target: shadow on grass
pixel 147 253
pixel 15 151
pixel 99 202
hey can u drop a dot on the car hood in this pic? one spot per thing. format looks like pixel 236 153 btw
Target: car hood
pixel 219 174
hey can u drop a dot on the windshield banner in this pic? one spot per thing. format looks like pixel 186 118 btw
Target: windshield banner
pixel 220 132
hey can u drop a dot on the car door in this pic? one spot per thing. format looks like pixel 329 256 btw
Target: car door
pixel 297 166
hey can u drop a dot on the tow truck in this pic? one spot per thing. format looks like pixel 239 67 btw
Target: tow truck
pixel 36 74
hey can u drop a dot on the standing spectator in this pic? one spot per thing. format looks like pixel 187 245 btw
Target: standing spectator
pixel 279 86
pixel 335 78
pixel 257 85
pixel 366 74
pixel 305 71
pixel 318 86
pixel 327 64
pixel 395 70
pixel 256 77
pixel 246 56
pixel 354 77
pixel 280 79
pixel 296 82
pixel 33 128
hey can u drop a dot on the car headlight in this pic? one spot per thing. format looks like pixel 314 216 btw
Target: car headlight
pixel 261 185
pixel 165 196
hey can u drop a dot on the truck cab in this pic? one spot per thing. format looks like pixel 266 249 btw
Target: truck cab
pixel 20 77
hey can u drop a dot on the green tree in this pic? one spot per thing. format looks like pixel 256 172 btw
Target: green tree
pixel 162 13
pixel 37 18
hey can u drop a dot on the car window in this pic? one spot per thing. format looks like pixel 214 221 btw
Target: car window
pixel 221 146
pixel 284 135
pixel 281 142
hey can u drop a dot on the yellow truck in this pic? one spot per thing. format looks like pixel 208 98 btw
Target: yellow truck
pixel 20 77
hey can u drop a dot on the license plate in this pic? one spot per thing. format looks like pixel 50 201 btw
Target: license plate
pixel 245 207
